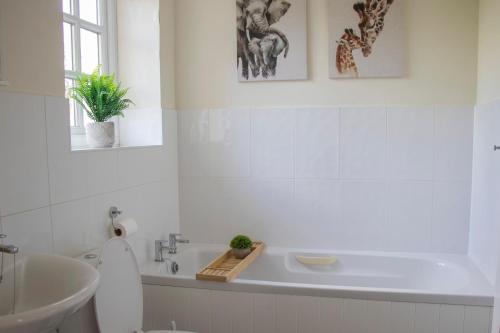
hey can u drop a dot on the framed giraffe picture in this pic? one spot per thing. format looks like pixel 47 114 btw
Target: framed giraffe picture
pixel 271 40
pixel 367 39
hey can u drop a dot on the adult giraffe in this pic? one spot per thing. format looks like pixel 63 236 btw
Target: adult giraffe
pixel 372 17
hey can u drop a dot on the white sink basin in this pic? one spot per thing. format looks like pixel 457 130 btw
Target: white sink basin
pixel 48 289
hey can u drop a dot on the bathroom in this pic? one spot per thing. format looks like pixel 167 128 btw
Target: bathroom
pixel 390 175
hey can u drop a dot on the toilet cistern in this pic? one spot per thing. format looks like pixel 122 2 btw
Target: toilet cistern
pixel 171 246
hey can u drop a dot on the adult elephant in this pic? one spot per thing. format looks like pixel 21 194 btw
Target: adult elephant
pixel 253 20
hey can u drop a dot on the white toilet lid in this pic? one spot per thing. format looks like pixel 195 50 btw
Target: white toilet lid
pixel 118 300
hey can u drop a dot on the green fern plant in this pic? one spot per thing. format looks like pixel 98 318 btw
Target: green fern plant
pixel 100 96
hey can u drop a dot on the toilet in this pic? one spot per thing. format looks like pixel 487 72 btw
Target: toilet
pixel 118 300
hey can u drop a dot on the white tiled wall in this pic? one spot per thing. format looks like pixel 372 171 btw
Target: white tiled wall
pixel 207 311
pixel 377 178
pixel 486 189
pixel 485 214
pixel 53 200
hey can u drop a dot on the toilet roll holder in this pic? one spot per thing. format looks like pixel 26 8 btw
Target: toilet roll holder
pixel 114 212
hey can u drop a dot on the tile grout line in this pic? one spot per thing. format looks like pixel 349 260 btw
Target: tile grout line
pixel 52 233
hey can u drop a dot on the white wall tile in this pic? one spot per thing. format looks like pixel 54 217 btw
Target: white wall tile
pixel 318 203
pixel 272 141
pixel 485 188
pixel 30 231
pixel 72 231
pixel 363 143
pixel 453 143
pixel 410 143
pixel 141 127
pixel 137 166
pixel 409 216
pixel 100 172
pixel 230 143
pixel 23 149
pixel 197 207
pixel 317 143
pixel 450 225
pixel 363 212
pixel 271 201
pixel 377 146
pixel 194 152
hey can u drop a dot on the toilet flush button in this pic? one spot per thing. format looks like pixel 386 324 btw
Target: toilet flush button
pixel 90 256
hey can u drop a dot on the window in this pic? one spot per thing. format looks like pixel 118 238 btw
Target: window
pixel 88 42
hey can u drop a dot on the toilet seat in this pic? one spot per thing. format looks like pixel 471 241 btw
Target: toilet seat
pixel 118 299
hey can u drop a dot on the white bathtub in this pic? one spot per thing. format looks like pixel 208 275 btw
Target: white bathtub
pixel 395 277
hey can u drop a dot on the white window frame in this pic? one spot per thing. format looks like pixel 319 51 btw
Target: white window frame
pixel 106 28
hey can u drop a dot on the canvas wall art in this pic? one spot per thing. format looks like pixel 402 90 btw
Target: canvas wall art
pixel 367 38
pixel 271 40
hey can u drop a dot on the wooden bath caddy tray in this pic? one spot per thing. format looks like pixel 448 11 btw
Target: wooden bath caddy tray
pixel 226 267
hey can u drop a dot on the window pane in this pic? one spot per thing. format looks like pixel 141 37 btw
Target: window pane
pixel 68 46
pixel 88 10
pixel 90 50
pixel 67 6
pixel 73 118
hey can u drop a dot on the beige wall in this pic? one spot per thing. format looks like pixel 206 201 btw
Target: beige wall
pixel 488 85
pixel 139 50
pixel 167 52
pixel 442 40
pixel 31 46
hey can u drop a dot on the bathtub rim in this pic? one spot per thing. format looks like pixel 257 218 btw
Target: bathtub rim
pixel 480 298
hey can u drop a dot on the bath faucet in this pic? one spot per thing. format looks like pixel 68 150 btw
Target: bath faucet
pixel 172 242
pixel 171 245
pixel 159 247
pixel 9 249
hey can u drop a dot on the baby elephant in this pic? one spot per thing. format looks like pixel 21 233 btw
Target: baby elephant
pixel 266 50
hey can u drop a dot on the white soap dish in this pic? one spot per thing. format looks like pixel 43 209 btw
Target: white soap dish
pixel 315 260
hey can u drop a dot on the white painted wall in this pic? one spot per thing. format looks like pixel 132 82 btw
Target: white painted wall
pixel 442 49
pixel 138 25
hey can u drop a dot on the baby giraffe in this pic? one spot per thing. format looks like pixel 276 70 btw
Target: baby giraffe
pixel 345 60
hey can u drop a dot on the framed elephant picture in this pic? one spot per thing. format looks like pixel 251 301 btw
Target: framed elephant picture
pixel 271 40
pixel 367 38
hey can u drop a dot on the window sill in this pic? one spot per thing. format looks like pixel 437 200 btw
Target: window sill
pixel 79 144
pixel 88 149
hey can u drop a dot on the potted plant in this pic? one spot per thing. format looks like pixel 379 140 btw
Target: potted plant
pixel 102 99
pixel 242 246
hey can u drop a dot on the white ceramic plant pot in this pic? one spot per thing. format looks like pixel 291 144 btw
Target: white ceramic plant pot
pixel 241 253
pixel 101 135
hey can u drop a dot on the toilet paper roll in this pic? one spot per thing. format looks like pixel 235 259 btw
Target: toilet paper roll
pixel 124 228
